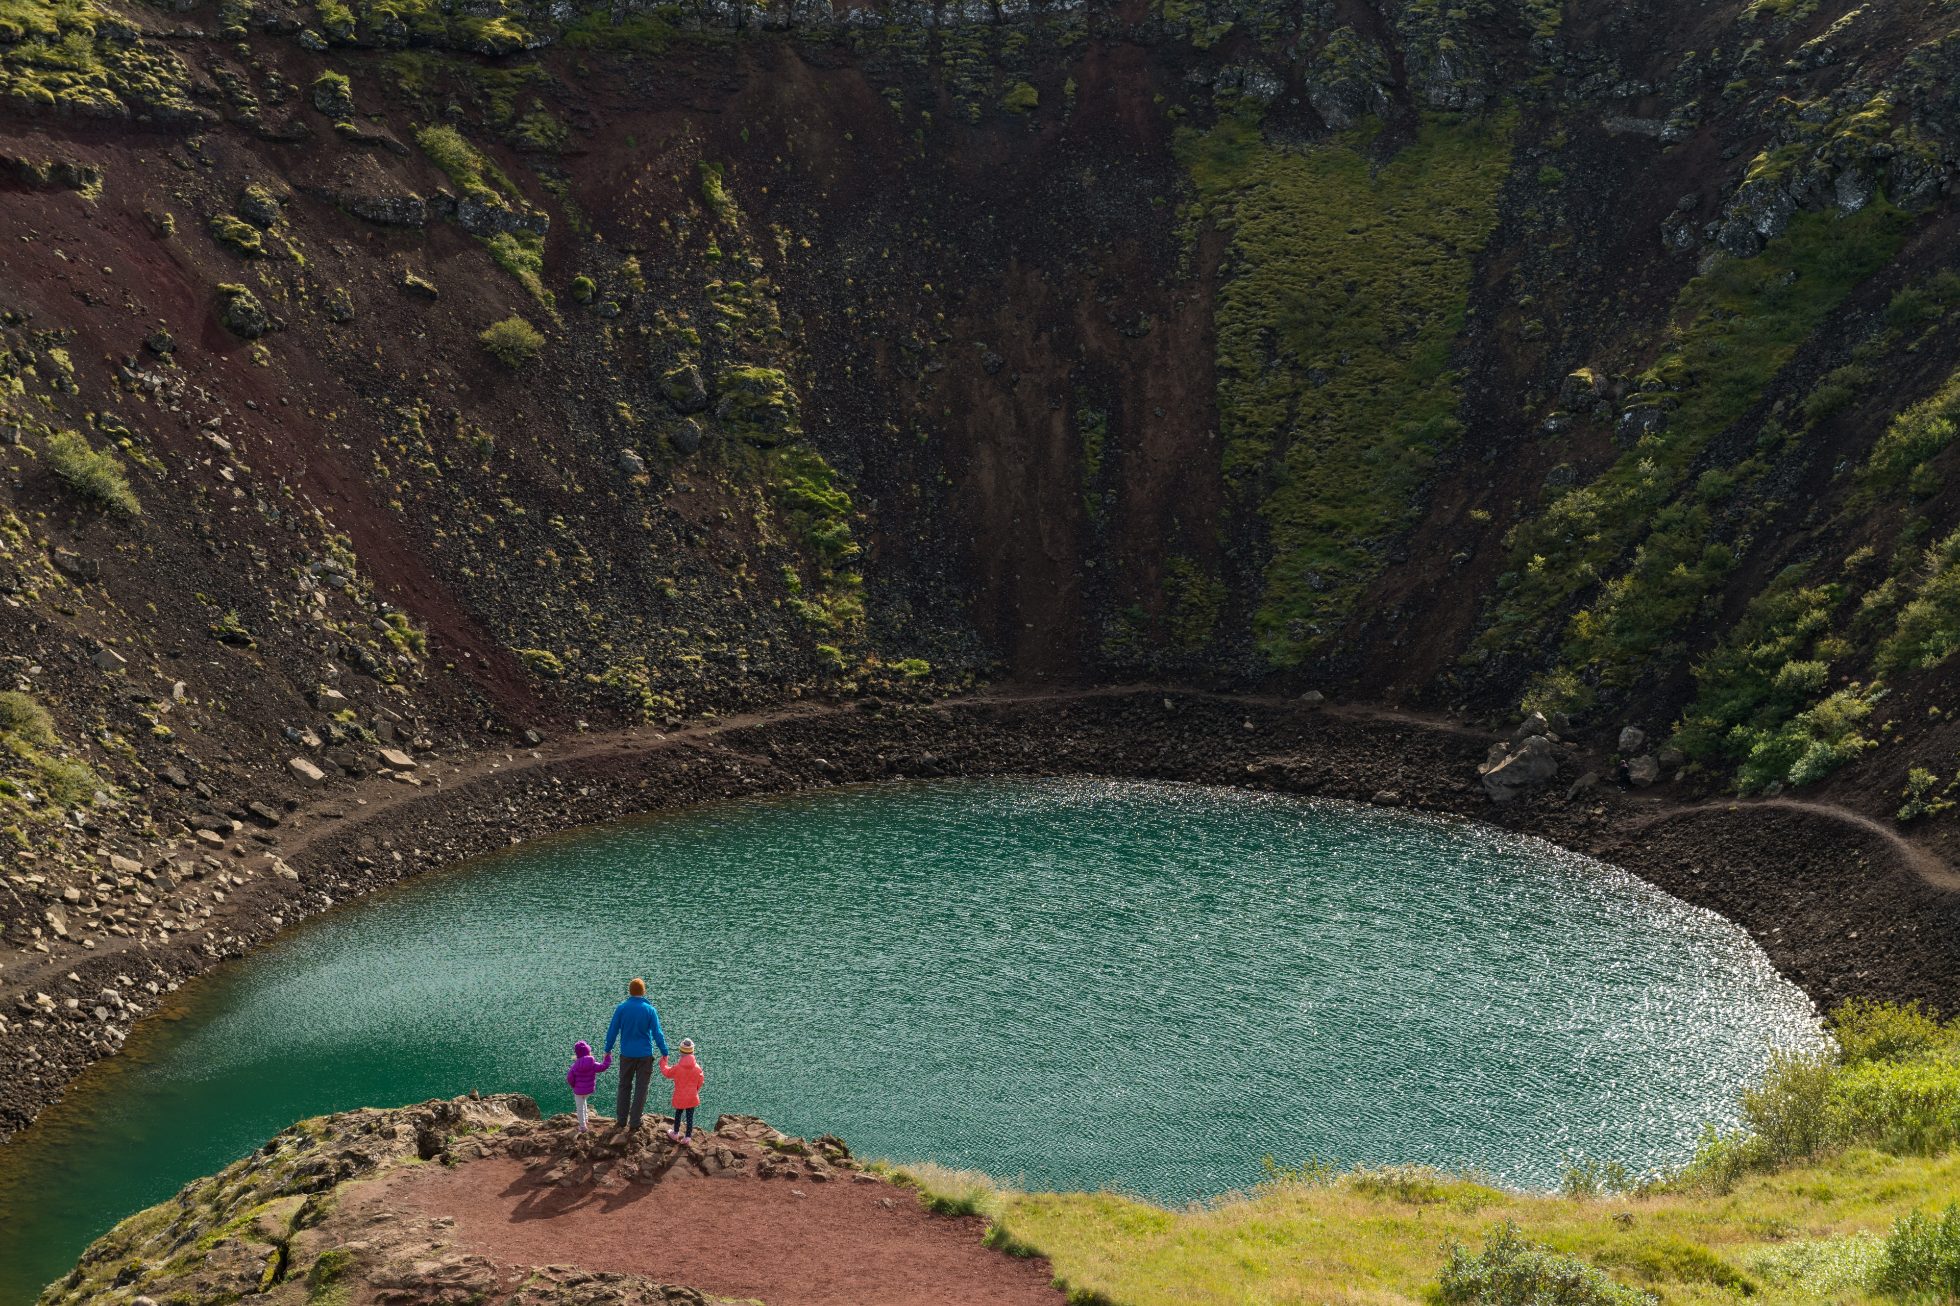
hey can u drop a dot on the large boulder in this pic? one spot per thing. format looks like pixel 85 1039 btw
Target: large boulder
pixel 1533 762
pixel 241 313
pixel 1632 740
pixel 684 390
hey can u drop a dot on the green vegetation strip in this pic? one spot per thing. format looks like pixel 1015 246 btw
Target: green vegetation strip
pixel 1349 275
pixel 1839 1189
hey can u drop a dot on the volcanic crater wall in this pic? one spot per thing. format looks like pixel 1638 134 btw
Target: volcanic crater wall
pixel 394 378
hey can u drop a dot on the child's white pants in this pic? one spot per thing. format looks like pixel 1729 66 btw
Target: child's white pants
pixel 582 1099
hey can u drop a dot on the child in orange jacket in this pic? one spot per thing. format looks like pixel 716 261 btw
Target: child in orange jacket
pixel 688 1078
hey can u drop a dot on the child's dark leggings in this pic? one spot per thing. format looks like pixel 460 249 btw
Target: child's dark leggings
pixel 684 1113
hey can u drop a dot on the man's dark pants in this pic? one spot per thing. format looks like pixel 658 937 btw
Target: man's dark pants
pixel 635 1073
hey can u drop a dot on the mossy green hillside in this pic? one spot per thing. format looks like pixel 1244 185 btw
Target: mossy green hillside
pixel 1348 277
pixel 76 57
pixel 1770 699
pixel 1643 535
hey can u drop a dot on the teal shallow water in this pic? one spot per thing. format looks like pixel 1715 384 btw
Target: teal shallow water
pixel 1070 983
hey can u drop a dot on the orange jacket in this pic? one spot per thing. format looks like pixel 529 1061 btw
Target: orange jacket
pixel 688 1078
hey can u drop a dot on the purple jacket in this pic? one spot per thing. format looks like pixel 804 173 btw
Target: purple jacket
pixel 584 1072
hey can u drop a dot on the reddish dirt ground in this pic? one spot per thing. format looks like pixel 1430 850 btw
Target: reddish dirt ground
pixel 783 1242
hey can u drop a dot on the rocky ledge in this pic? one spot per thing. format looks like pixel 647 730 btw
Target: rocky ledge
pixel 317 1214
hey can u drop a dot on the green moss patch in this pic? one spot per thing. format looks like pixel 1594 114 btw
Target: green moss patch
pixel 1350 275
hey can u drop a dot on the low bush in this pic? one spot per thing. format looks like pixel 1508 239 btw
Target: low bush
pixel 513 342
pixel 1892 1083
pixel 1927 630
pixel 1811 744
pixel 1922 1257
pixel 542 661
pixel 1510 1271
pixel 26 719
pixel 96 475
pixel 1887 1031
pixel 1590 1177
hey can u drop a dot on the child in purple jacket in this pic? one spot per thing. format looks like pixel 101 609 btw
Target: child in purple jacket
pixel 584 1075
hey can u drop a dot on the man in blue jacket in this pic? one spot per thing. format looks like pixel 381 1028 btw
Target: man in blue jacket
pixel 636 1028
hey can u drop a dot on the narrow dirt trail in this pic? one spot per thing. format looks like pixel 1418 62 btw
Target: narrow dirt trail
pixel 1924 862
pixel 375 797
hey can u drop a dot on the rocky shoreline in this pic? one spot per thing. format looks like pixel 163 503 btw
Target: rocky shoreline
pixel 1841 906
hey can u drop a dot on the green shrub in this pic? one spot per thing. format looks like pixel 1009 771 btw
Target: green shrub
pixel 1927 630
pixel 1589 1177
pixel 1886 1031
pixel 1913 438
pixel 1835 392
pixel 1920 796
pixel 1415 1185
pixel 1021 98
pixel 521 254
pixel 26 719
pixel 1920 306
pixel 542 661
pixel 1813 743
pixel 1893 1084
pixel 1744 690
pixel 715 193
pixel 27 735
pixel 1510 1271
pixel 912 668
pixel 583 289
pixel 1922 1258
pixel 1828 1269
pixel 1907 1108
pixel 96 475
pixel 512 342
pixel 1788 1114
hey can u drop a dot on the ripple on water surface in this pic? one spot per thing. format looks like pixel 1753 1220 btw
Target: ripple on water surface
pixel 1075 983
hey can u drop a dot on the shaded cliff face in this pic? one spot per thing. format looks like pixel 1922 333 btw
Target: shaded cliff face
pixel 402 376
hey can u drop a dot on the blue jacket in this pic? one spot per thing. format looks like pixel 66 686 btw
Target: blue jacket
pixel 636 1028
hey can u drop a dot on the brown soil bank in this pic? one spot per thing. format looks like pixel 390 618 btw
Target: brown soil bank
pixel 523 1212
pixel 1842 905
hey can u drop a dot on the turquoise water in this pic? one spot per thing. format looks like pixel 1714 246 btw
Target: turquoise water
pixel 1069 983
